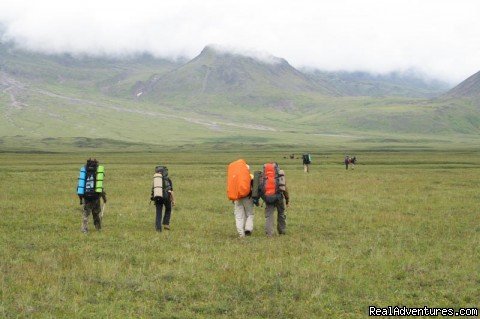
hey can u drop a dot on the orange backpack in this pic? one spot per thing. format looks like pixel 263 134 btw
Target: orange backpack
pixel 238 180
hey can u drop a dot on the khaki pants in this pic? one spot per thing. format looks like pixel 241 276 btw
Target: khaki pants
pixel 244 215
pixel 270 218
pixel 305 168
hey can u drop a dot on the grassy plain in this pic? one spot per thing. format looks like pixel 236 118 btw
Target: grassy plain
pixel 403 228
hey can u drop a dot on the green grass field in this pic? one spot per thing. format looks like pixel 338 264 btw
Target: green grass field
pixel 403 228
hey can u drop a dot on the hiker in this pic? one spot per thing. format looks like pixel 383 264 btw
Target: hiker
pixel 93 191
pixel 307 160
pixel 347 161
pixel 239 190
pixel 162 196
pixel 274 193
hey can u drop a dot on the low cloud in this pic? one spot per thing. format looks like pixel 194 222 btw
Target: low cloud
pixel 438 38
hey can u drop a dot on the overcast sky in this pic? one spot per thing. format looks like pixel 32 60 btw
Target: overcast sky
pixel 440 38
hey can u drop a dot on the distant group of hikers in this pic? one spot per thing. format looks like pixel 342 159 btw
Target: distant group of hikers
pixel 350 161
pixel 244 189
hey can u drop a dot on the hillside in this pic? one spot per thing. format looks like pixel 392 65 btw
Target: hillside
pixel 107 75
pixel 400 84
pixel 216 99
pixel 234 78
pixel 470 88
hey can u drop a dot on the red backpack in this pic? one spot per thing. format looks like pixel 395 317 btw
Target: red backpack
pixel 270 183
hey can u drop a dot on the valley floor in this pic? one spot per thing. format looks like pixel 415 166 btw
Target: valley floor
pixel 403 228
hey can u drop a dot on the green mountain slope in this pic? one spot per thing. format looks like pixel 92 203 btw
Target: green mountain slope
pixel 221 77
pixel 470 88
pixel 405 84
pixel 218 72
pixel 215 99
pixel 115 76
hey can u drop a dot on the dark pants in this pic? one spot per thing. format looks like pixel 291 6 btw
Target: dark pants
pixel 159 203
pixel 91 206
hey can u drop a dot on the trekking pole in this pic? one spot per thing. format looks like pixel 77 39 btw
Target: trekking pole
pixel 103 209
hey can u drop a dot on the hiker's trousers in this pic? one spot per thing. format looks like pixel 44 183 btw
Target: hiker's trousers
pixel 159 204
pixel 305 168
pixel 244 215
pixel 270 217
pixel 91 207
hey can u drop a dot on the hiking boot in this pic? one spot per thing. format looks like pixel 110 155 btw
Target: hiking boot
pixel 248 233
pixel 167 227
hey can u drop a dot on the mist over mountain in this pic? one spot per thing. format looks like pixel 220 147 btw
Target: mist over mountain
pixel 219 69
pixel 369 36
pixel 237 78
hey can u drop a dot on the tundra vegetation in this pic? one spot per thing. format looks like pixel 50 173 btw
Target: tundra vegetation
pixel 401 229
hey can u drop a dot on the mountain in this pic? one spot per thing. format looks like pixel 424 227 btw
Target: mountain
pixel 217 98
pixel 404 84
pixel 109 75
pixel 470 88
pixel 236 78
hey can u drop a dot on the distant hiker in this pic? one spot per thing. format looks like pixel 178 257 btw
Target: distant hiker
pixel 91 189
pixel 350 161
pixel 307 160
pixel 162 195
pixel 274 191
pixel 239 186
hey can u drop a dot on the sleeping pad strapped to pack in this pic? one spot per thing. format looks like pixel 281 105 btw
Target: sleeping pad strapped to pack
pixel 238 180
pixel 99 179
pixel 307 158
pixel 161 183
pixel 81 181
